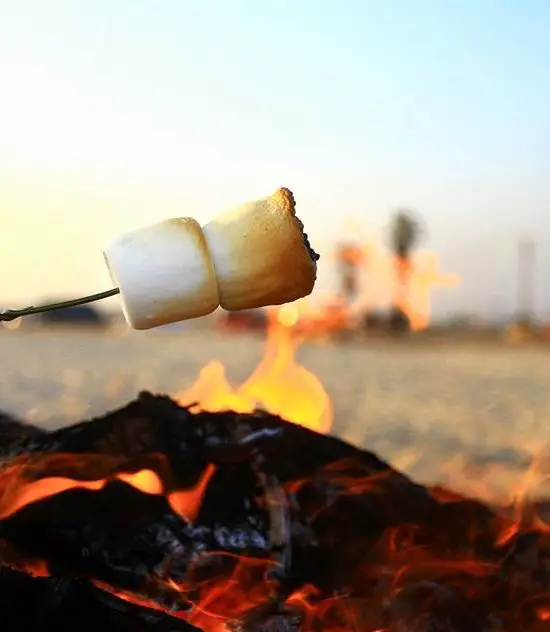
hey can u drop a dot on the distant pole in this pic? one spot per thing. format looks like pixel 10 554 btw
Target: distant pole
pixel 526 280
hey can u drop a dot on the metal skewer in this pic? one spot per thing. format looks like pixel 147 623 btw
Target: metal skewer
pixel 12 314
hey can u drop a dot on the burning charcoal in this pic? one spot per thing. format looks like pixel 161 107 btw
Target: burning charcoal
pixel 248 523
pixel 526 564
pixel 80 532
pixel 276 623
pixel 28 604
pixel 146 548
pixel 466 520
pixel 431 607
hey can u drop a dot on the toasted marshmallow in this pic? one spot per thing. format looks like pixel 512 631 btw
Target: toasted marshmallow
pixel 253 256
pixel 164 273
pixel 261 254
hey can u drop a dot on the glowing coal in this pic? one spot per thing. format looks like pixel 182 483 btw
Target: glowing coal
pixel 155 516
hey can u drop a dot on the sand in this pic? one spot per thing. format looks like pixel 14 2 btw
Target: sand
pixel 439 412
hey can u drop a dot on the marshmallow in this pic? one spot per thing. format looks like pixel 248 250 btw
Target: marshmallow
pixel 164 273
pixel 253 256
pixel 261 254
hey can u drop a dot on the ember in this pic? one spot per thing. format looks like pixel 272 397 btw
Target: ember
pixel 155 516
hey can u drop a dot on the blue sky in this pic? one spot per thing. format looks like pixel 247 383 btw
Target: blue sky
pixel 117 112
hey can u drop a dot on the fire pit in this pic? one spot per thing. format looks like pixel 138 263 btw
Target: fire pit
pixel 206 513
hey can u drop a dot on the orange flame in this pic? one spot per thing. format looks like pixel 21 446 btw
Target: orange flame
pixel 17 491
pixel 390 279
pixel 279 385
pixel 424 278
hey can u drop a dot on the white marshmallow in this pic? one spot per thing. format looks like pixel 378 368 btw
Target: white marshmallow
pixel 164 273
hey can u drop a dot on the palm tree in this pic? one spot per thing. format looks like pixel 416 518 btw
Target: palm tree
pixel 405 234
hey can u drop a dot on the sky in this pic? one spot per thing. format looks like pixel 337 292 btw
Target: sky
pixel 118 113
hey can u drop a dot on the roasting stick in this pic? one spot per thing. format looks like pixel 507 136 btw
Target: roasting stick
pixel 7 315
pixel 252 256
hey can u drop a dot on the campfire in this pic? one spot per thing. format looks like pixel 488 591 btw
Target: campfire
pixel 233 509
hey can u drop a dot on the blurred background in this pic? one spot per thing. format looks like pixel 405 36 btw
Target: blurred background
pixel 416 139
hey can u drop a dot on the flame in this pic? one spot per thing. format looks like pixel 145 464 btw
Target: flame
pixel 17 491
pixel 352 254
pixel 373 277
pixel 424 278
pixel 279 385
